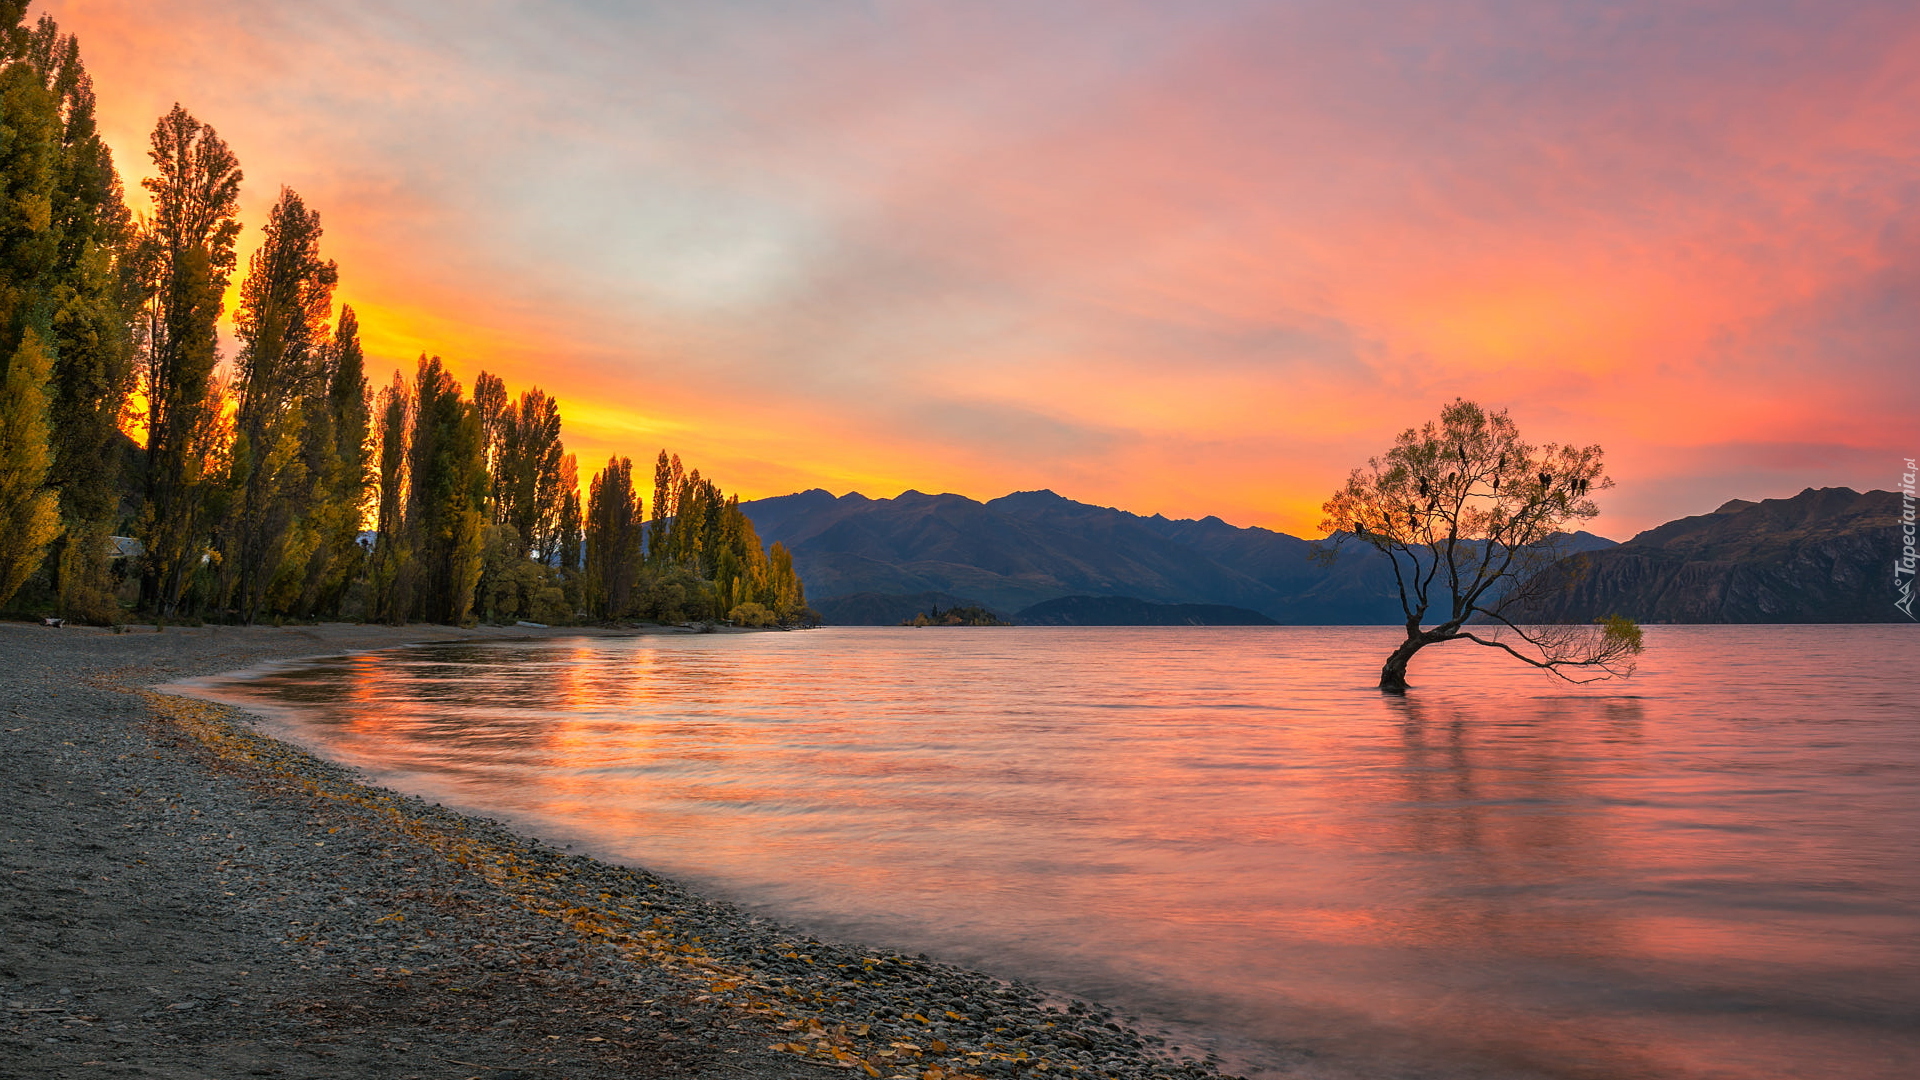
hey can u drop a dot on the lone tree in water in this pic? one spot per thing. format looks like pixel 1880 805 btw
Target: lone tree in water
pixel 1470 516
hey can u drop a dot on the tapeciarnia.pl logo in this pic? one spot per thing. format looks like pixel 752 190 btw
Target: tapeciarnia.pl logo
pixel 1903 566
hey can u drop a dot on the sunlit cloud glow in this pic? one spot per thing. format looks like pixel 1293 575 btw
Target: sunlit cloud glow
pixel 1191 259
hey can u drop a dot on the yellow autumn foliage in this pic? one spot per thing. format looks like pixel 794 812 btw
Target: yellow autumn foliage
pixel 29 518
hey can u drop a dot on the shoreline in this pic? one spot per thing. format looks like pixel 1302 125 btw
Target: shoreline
pixel 188 897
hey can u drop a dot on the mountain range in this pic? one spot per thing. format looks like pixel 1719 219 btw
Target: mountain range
pixel 878 561
pixel 1126 611
pixel 1824 555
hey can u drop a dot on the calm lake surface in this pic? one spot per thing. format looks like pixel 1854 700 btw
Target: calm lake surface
pixel 1710 870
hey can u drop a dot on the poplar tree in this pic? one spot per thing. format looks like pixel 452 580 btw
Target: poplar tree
pixel 390 569
pixel 30 134
pixel 265 507
pixel 527 475
pixel 87 326
pixel 613 539
pixel 186 257
pixel 495 594
pixel 29 168
pixel 490 400
pixel 569 533
pixel 285 303
pixel 784 593
pixel 339 458
pixel 666 487
pixel 447 495
pixel 693 534
pixel 28 512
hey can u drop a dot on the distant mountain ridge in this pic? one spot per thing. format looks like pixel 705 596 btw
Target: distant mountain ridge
pixel 865 558
pixel 1824 555
pixel 1126 611
pixel 881 609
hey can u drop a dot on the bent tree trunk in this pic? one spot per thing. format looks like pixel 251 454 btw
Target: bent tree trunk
pixel 1393 676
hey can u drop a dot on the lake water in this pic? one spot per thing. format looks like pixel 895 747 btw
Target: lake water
pixel 1709 870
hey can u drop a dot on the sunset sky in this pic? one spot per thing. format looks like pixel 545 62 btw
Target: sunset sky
pixel 1190 258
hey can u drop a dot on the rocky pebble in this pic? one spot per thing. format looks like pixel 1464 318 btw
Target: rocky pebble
pixel 181 896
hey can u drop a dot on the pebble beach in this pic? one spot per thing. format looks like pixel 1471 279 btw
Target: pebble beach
pixel 186 897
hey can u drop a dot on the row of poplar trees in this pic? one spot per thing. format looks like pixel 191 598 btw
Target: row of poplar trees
pixel 279 484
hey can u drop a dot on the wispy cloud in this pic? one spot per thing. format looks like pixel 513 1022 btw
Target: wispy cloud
pixel 1194 258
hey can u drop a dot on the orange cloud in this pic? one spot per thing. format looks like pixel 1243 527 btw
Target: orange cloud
pixel 1194 260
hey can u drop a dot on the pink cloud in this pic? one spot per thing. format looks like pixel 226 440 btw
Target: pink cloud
pixel 1195 259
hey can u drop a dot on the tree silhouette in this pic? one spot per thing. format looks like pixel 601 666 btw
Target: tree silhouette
pixel 186 254
pixel 1469 516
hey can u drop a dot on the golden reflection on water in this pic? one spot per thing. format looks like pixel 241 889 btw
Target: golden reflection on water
pixel 1705 872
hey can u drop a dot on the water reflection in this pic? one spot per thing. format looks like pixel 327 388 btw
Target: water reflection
pixel 1493 877
pixel 1513 815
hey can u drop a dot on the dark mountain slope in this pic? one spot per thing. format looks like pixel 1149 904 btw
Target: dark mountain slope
pixel 884 609
pixel 1127 611
pixel 1008 554
pixel 1825 555
pixel 1033 546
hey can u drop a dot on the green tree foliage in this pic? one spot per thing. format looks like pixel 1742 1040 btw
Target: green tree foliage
pixel 528 474
pixel 704 559
pixel 390 574
pixel 63 228
pixel 784 588
pixel 526 571
pixel 28 512
pixel 666 487
pixel 571 536
pixel 29 167
pixel 282 421
pixel 751 613
pixel 1469 515
pixel 256 481
pixel 613 533
pixel 490 398
pixel 30 154
pixel 338 457
pixel 186 254
pixel 446 506
pixel 90 332
pixel 965 615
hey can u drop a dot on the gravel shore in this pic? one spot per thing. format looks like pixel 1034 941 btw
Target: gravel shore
pixel 184 897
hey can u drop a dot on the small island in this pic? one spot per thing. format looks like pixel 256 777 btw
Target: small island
pixel 965 615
